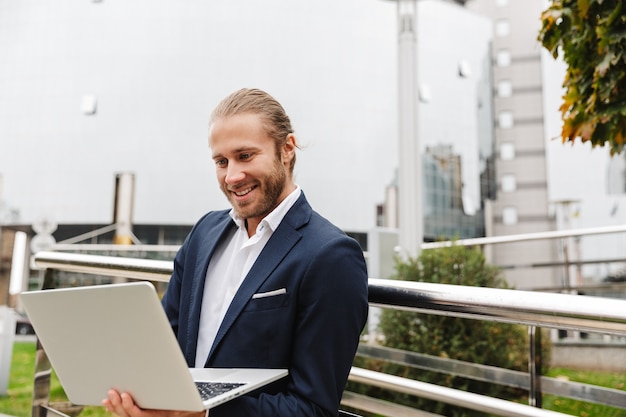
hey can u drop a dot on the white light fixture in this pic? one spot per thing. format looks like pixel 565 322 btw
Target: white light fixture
pixel 424 93
pixel 89 104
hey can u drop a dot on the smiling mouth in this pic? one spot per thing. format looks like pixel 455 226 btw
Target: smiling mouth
pixel 243 192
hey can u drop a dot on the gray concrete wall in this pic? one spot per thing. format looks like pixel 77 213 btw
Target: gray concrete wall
pixel 589 356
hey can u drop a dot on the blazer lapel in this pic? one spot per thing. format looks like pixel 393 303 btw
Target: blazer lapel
pixel 205 252
pixel 282 241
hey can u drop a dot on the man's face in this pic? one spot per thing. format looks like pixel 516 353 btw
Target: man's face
pixel 251 171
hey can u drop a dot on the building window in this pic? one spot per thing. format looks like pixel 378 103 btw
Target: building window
pixel 507 151
pixel 503 58
pixel 509 215
pixel 505 119
pixel 503 28
pixel 505 88
pixel 508 183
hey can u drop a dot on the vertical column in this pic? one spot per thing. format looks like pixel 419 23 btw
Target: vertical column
pixel 410 213
pixel 123 212
pixel 7 337
pixel 535 359
pixel 7 239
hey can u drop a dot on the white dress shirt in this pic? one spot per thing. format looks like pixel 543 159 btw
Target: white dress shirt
pixel 227 269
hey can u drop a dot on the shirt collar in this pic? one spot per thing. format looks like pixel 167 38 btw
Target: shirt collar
pixel 273 219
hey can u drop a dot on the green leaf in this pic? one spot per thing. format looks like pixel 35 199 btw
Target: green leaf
pixel 583 8
pixel 591 37
pixel 604 65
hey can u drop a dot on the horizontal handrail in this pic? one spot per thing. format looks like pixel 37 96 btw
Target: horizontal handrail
pixel 131 268
pixel 562 311
pixel 112 247
pixel 448 395
pixel 524 237
pixel 506 377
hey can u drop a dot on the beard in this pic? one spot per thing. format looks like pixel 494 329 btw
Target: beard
pixel 270 187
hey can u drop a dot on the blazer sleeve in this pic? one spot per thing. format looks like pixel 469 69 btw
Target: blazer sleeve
pixel 332 307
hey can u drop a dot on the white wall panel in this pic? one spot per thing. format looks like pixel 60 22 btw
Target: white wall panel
pixel 157 68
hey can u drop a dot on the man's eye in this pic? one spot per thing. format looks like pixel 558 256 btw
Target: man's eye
pixel 220 162
pixel 245 156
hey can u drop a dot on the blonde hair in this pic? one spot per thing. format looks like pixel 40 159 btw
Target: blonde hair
pixel 252 100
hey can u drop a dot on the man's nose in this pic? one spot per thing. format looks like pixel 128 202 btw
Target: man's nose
pixel 234 173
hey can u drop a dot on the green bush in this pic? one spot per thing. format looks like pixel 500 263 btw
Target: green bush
pixel 483 342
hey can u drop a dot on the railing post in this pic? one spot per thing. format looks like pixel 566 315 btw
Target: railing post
pixel 535 361
pixel 43 369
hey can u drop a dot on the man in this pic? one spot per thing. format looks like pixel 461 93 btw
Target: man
pixel 268 284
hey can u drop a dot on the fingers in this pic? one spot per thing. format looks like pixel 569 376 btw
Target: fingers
pixel 124 406
pixel 121 404
pixel 113 403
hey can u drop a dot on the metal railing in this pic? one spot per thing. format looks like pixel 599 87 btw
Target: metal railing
pixel 559 311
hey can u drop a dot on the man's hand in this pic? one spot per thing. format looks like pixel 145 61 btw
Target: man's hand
pixel 124 406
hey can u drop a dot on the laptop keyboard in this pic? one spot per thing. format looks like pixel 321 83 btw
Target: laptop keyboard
pixel 212 389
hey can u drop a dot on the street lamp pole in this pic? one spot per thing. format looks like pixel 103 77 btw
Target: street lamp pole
pixel 410 213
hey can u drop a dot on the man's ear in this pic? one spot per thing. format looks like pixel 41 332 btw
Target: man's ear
pixel 289 149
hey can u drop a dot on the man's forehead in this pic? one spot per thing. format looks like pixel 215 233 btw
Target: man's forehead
pixel 240 126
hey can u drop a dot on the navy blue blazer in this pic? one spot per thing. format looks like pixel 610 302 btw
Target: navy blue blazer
pixel 312 328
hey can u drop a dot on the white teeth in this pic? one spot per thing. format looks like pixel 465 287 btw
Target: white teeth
pixel 244 192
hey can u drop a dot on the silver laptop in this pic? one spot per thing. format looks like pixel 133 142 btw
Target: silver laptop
pixel 118 336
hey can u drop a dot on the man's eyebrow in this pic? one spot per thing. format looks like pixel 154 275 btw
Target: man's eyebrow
pixel 246 149
pixel 237 151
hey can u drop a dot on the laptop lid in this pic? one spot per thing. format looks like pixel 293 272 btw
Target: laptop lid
pixel 118 336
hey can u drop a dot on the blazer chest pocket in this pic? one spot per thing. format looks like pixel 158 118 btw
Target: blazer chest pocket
pixel 268 300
